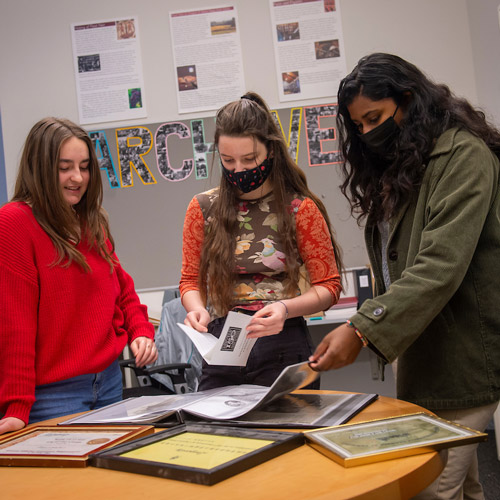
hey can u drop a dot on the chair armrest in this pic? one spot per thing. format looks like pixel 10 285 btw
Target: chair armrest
pixel 130 363
pixel 169 366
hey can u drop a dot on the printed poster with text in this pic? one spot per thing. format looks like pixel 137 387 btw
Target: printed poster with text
pixel 207 56
pixel 308 47
pixel 108 69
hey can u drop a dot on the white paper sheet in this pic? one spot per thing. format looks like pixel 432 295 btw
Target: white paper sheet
pixel 108 70
pixel 207 57
pixel 308 47
pixel 232 348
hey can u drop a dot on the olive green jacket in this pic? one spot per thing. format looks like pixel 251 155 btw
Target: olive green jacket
pixel 441 315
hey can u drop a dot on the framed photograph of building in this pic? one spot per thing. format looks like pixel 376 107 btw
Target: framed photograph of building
pixel 383 439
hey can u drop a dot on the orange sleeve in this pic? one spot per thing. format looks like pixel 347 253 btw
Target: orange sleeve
pixel 192 241
pixel 316 249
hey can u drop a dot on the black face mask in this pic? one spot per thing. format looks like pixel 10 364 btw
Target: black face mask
pixel 381 139
pixel 248 180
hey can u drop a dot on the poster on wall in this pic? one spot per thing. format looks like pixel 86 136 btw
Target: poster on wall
pixel 308 47
pixel 207 57
pixel 108 70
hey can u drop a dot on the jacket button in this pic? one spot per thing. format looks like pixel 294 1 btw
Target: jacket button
pixel 393 255
pixel 378 311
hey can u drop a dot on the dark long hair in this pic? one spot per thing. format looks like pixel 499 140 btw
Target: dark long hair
pixel 376 186
pixel 38 185
pixel 250 117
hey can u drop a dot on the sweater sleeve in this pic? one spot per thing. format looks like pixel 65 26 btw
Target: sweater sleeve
pixel 135 314
pixel 316 249
pixel 18 318
pixel 192 242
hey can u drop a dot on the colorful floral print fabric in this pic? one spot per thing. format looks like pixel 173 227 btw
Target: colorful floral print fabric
pixel 259 257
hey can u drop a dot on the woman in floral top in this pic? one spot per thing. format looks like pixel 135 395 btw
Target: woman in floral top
pixel 248 242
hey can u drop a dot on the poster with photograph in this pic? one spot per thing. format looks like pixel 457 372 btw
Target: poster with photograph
pixel 308 47
pixel 207 56
pixel 108 70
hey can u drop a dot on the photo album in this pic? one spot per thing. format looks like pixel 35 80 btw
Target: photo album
pixel 247 405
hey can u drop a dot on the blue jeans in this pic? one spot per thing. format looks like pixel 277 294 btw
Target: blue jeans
pixel 77 394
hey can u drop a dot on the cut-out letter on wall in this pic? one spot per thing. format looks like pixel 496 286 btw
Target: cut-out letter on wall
pixel 101 147
pixel 293 138
pixel 200 148
pixel 166 170
pixel 133 143
pixel 316 135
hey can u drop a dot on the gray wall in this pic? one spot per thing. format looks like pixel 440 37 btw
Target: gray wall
pixel 454 41
pixel 484 21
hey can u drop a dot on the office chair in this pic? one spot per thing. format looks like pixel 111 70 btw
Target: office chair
pixel 150 386
pixel 178 367
pixel 174 346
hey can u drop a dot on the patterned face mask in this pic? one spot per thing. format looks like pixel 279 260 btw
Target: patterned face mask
pixel 248 180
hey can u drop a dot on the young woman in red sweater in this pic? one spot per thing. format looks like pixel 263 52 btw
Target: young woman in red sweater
pixel 67 307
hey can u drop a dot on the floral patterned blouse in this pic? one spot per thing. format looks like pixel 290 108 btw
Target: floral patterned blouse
pixel 260 262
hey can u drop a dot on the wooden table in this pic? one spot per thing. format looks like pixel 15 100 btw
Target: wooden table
pixel 302 473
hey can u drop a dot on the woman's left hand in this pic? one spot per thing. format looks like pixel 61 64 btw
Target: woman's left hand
pixel 11 424
pixel 144 351
pixel 267 321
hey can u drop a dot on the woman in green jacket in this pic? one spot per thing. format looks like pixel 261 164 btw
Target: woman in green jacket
pixel 422 171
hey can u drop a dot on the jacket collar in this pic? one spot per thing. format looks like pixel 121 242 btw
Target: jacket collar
pixel 444 142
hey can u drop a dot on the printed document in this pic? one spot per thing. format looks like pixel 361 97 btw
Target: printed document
pixel 232 348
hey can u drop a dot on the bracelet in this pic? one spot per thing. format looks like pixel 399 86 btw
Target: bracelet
pixel 286 308
pixel 360 336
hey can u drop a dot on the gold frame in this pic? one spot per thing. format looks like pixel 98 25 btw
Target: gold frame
pixel 387 438
pixel 37 458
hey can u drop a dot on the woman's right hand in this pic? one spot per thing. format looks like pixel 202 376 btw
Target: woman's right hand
pixel 11 424
pixel 198 319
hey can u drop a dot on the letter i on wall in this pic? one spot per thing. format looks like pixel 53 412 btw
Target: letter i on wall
pixel 200 149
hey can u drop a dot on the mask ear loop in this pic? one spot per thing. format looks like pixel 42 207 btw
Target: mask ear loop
pixel 396 110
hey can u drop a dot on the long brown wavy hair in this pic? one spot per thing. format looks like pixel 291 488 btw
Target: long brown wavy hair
pixel 251 117
pixel 38 185
pixel 379 186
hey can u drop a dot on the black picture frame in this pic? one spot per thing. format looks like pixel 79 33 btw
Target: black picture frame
pixel 188 442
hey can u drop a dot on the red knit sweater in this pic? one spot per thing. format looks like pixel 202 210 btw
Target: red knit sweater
pixel 56 322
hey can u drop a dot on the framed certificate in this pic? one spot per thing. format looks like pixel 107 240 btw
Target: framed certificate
pixel 63 446
pixel 377 440
pixel 203 454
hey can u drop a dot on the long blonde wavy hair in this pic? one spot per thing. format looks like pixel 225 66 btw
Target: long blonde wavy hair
pixel 38 185
pixel 251 117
